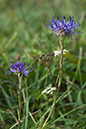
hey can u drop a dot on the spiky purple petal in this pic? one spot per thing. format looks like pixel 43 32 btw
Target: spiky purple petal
pixel 64 28
pixel 18 67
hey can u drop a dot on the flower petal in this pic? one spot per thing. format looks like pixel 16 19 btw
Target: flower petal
pixel 63 28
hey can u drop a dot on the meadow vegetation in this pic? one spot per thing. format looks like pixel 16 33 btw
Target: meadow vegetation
pixel 24 35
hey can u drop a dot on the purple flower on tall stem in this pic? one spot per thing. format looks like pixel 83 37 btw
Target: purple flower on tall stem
pixel 63 28
pixel 18 68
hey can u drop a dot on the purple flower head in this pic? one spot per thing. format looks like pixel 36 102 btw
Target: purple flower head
pixel 64 28
pixel 18 68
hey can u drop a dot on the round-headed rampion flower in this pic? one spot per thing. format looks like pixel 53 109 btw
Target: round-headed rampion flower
pixel 63 28
pixel 18 68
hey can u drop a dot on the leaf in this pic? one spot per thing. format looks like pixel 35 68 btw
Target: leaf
pixel 72 74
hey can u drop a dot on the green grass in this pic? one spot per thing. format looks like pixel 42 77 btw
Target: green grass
pixel 23 32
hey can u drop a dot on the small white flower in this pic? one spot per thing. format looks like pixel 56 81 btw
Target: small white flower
pixel 49 90
pixel 44 91
pixel 65 51
pixel 58 52
pixel 53 88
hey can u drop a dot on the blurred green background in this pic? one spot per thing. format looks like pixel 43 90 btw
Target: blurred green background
pixel 23 32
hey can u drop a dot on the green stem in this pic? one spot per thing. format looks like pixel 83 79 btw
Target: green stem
pixel 26 106
pixel 61 68
pixel 19 116
pixel 51 73
pixel 48 116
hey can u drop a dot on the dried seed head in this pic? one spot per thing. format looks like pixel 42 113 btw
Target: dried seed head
pixel 43 54
pixel 17 57
pixel 50 59
pixel 36 60
pixel 42 63
pixel 53 54
pixel 40 57
pixel 48 54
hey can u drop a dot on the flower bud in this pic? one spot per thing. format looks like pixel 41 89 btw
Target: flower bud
pixel 41 63
pixel 40 57
pixel 36 60
pixel 48 54
pixel 53 54
pixel 50 59
pixel 43 54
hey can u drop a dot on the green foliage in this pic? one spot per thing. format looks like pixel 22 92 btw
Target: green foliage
pixel 23 32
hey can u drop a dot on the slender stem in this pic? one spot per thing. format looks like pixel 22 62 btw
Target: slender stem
pixel 48 116
pixel 57 80
pixel 26 105
pixel 51 73
pixel 20 81
pixel 61 67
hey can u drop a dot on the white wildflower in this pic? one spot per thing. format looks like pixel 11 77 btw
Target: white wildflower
pixel 58 52
pixel 53 88
pixel 44 91
pixel 49 90
pixel 65 51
